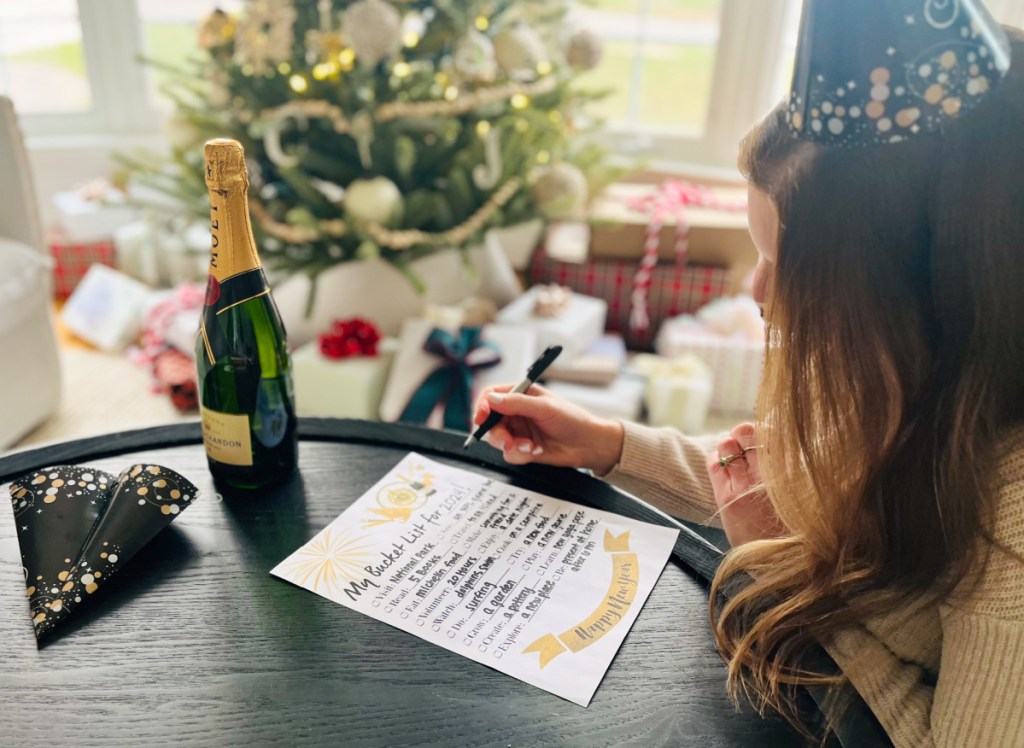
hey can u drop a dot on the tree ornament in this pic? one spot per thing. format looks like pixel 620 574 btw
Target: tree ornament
pixel 487 174
pixel 325 42
pixel 474 57
pixel 518 50
pixel 265 34
pixel 215 31
pixel 585 50
pixel 560 191
pixel 376 200
pixel 363 133
pixel 373 29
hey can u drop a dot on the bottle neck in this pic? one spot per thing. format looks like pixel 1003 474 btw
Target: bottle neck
pixel 232 247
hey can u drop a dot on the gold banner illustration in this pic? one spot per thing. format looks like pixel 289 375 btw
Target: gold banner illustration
pixel 612 609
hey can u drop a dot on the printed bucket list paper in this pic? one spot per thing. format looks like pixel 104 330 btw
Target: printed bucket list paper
pixel 538 588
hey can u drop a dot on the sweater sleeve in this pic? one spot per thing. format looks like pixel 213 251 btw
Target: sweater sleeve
pixel 978 698
pixel 667 469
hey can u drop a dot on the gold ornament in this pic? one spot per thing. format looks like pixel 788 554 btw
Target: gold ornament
pixel 374 30
pixel 560 191
pixel 518 50
pixel 265 34
pixel 376 200
pixel 474 57
pixel 215 31
pixel 585 50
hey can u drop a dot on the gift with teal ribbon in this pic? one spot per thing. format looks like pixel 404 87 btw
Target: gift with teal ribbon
pixel 462 355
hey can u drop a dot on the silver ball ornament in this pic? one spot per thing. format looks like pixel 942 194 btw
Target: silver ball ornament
pixel 560 191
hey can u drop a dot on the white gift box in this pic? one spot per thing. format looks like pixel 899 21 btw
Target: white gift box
pixel 736 363
pixel 621 400
pixel 106 308
pixel 575 328
pixel 87 221
pixel 412 365
pixel 678 391
pixel 340 388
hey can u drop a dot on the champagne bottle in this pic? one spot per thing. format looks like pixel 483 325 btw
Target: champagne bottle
pixel 246 394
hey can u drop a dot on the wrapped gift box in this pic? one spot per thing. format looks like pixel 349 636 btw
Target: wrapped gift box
pixel 72 261
pixel 623 399
pixel 412 365
pixel 340 388
pixel 678 391
pixel 106 308
pixel 736 364
pixel 675 289
pixel 92 213
pixel 597 366
pixel 575 327
pixel 716 237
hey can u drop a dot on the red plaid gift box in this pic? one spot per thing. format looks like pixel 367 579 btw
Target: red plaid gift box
pixel 675 289
pixel 73 260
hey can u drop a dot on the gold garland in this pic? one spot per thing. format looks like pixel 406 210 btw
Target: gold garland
pixel 396 240
pixel 455 236
pixel 321 109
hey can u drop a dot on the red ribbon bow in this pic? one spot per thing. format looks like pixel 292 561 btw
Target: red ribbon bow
pixel 352 337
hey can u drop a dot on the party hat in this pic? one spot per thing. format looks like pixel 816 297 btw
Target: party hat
pixel 873 72
pixel 78 526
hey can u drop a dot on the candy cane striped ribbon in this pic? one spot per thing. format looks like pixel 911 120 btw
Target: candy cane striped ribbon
pixel 672 198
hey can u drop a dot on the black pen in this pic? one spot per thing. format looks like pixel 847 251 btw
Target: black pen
pixel 532 376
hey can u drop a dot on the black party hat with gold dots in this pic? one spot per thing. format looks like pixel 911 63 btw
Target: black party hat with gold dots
pixel 77 526
pixel 874 72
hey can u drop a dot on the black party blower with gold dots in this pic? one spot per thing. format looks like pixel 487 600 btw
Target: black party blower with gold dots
pixel 77 526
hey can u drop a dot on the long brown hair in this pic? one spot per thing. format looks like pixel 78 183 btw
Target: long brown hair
pixel 895 361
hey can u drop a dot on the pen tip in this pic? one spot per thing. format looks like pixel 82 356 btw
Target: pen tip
pixel 469 440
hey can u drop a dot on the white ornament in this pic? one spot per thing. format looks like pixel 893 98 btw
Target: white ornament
pixel 374 30
pixel 487 174
pixel 585 50
pixel 518 50
pixel 474 57
pixel 376 200
pixel 265 34
pixel 560 192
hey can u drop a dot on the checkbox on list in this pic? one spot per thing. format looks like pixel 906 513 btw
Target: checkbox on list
pixel 468 642
pixel 419 621
pixel 388 609
pixel 404 614
pixel 436 627
pixel 482 647
pixel 451 634
pixel 497 653
pixel 375 603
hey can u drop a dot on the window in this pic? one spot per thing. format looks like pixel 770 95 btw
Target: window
pixel 689 76
pixel 42 62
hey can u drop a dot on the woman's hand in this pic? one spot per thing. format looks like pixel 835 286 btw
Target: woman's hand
pixel 542 427
pixel 746 512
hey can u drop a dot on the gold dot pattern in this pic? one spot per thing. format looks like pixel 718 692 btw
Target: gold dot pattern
pixel 908 78
pixel 68 502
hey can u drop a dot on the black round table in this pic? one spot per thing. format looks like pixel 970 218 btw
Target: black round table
pixel 194 642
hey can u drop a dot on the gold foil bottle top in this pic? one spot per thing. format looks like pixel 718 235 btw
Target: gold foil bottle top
pixel 225 164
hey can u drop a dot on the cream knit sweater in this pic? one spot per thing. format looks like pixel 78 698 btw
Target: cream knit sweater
pixel 950 674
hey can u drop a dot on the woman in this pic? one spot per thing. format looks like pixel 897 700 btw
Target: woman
pixel 877 505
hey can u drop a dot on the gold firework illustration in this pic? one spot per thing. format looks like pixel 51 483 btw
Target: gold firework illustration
pixel 328 561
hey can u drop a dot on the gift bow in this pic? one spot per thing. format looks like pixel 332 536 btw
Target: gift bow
pixel 463 354
pixel 353 337
pixel 672 198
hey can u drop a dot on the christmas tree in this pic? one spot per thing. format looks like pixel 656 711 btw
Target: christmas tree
pixel 388 129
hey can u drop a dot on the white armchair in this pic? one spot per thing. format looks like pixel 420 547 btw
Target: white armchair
pixel 29 363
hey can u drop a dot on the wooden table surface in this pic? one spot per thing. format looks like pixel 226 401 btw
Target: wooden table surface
pixel 195 643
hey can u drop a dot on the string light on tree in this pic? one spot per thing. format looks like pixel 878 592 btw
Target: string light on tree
pixel 356 113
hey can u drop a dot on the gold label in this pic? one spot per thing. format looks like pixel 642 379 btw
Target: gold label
pixel 232 248
pixel 227 437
